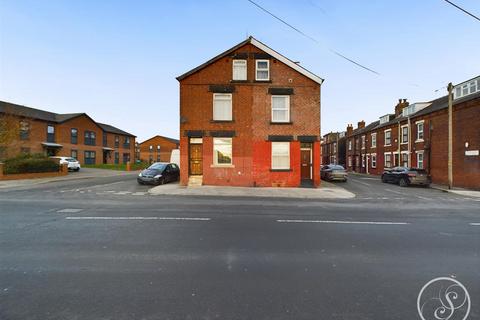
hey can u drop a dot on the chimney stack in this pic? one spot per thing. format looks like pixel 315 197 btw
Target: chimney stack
pixel 349 130
pixel 361 124
pixel 402 103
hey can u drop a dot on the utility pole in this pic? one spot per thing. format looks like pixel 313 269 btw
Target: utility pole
pixel 450 136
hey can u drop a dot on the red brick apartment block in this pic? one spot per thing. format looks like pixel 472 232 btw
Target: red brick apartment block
pixel 416 135
pixel 250 117
pixel 157 149
pixel 71 135
pixel 333 148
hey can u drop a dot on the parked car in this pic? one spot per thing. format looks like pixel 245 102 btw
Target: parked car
pixel 72 163
pixel 333 172
pixel 406 176
pixel 159 173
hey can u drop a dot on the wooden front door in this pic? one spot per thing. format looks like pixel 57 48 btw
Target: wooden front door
pixel 195 159
pixel 306 164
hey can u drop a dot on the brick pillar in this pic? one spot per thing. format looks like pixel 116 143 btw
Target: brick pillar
pixel 64 169
pixel 1 170
pixel 128 166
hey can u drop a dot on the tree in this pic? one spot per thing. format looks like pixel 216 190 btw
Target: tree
pixel 9 131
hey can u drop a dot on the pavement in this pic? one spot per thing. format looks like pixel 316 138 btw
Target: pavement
pixel 106 248
pixel 326 191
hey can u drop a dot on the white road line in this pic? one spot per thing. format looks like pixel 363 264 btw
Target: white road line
pixel 344 222
pixel 424 198
pixel 475 224
pixel 138 218
pixel 397 192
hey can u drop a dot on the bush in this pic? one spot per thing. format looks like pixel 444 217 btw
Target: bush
pixel 30 163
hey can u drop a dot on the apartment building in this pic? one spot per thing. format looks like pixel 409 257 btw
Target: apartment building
pixel 157 149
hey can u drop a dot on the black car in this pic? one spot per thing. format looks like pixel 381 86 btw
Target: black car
pixel 406 176
pixel 159 173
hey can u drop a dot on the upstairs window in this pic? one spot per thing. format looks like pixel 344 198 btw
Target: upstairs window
pixel 117 141
pixel 420 131
pixel 388 137
pixel 280 108
pixel 126 142
pixel 239 70
pixel 363 142
pixel 466 88
pixel 24 130
pixel 73 136
pixel 50 133
pixel 349 145
pixel 222 106
pixel 90 138
pixel 280 155
pixel 374 140
pixel 404 134
pixel 262 70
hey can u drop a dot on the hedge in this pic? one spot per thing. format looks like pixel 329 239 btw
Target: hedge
pixel 30 163
pixel 120 166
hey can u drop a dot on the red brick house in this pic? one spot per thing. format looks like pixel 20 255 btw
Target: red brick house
pixel 71 135
pixel 333 148
pixel 157 149
pixel 250 117
pixel 416 135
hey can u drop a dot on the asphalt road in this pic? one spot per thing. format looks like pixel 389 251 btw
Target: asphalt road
pixel 106 249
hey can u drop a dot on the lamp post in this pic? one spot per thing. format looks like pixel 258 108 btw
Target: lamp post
pixel 450 136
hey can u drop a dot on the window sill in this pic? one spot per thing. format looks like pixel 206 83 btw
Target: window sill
pixel 387 145
pixel 263 81
pixel 221 121
pixel 280 170
pixel 403 143
pixel 239 81
pixel 274 122
pixel 419 141
pixel 222 166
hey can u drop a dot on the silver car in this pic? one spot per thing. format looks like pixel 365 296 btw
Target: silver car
pixel 333 172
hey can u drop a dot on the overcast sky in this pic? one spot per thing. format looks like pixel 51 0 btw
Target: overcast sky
pixel 117 60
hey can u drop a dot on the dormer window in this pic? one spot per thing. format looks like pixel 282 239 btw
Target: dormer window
pixel 239 70
pixel 384 119
pixel 262 70
pixel 464 89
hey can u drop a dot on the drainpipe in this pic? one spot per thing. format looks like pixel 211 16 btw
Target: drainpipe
pixel 450 137
pixel 398 144
pixel 409 143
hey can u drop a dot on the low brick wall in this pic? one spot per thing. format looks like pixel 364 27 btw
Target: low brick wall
pixel 19 176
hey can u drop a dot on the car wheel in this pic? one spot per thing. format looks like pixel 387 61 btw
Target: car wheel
pixel 161 181
pixel 384 179
pixel 403 182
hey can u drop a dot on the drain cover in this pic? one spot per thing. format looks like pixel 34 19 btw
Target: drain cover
pixel 69 210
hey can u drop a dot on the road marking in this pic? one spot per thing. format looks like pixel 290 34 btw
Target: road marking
pixel 138 218
pixel 344 222
pixel 424 198
pixel 371 179
pixel 475 224
pixel 69 210
pixel 364 183
pixel 397 192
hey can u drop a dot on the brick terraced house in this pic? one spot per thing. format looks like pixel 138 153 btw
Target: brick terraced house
pixel 157 149
pixel 333 148
pixel 71 135
pixel 416 135
pixel 250 117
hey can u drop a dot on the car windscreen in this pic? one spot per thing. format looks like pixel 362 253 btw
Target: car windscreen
pixel 337 168
pixel 157 166
pixel 71 159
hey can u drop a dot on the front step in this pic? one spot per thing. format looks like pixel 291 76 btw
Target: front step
pixel 195 181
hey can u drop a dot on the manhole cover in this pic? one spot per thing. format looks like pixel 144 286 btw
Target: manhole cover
pixel 69 210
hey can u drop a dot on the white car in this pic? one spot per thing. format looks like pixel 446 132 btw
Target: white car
pixel 72 163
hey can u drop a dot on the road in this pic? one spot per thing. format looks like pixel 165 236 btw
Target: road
pixel 105 249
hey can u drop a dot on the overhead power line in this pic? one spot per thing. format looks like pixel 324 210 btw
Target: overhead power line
pixel 312 38
pixel 461 9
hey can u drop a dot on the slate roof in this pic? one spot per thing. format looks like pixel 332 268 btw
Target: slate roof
pixel 16 109
pixel 265 49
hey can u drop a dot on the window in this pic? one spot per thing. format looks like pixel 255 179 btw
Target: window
pixel 404 130
pixel 374 161
pixel 126 142
pixel 420 131
pixel 89 138
pixel 262 70
pixel 74 154
pixel 334 147
pixel 363 142
pixel 222 151
pixel 222 106
pixel 117 141
pixel 89 157
pixel 239 70
pixel 73 136
pixel 126 158
pixel 349 161
pixel 374 140
pixel 117 157
pixel 404 159
pixel 384 119
pixel 363 161
pixel 388 160
pixel 388 137
pixel 420 160
pixel 466 88
pixel 50 133
pixel 24 130
pixel 105 139
pixel 280 108
pixel 350 145
pixel 280 155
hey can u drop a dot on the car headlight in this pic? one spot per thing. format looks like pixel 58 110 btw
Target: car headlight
pixel 140 174
pixel 158 176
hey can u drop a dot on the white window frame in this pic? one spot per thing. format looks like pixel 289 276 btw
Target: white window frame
pixel 423 159
pixel 279 167
pixel 350 161
pixel 349 144
pixel 401 158
pixel 385 159
pixel 422 122
pixel 241 63
pixel 401 134
pixel 262 69
pixel 373 160
pixel 385 138
pixel 215 156
pixel 288 108
pixel 374 140
pixel 216 97
pixel 363 142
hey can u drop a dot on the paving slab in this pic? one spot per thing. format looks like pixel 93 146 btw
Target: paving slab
pixel 326 191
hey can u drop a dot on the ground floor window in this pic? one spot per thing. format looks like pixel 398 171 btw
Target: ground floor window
pixel 280 155
pixel 89 157
pixel 117 157
pixel 126 158
pixel 388 160
pixel 363 161
pixel 222 151
pixel 349 161
pixel 404 159
pixel 374 160
pixel 420 160
pixel 74 154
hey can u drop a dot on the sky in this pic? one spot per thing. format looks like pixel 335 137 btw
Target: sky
pixel 118 60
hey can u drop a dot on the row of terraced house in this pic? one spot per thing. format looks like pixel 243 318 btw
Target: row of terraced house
pixel 416 135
